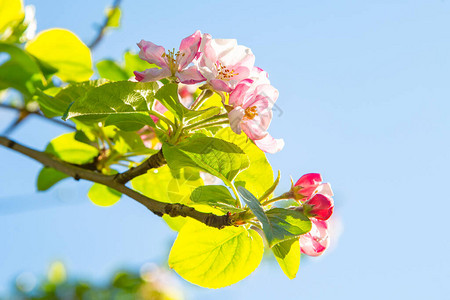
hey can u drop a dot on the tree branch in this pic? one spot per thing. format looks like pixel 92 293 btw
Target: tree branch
pixel 102 30
pixel 34 113
pixel 157 207
pixel 155 161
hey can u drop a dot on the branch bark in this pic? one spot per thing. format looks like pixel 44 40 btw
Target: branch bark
pixel 155 161
pixel 157 207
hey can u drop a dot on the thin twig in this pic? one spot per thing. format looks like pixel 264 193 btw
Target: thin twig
pixel 34 113
pixel 157 207
pixel 102 30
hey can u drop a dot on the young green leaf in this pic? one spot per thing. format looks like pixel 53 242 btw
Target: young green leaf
pixel 252 202
pixel 286 224
pixel 278 224
pixel 287 254
pixel 130 121
pixel 103 195
pixel 109 69
pixel 11 11
pixel 48 177
pixel 160 184
pixel 168 96
pixel 20 71
pixel 113 14
pixel 57 105
pixel 134 63
pixel 259 176
pixel 216 196
pixel 217 157
pixel 68 149
pixel 63 50
pixel 214 258
pixel 122 97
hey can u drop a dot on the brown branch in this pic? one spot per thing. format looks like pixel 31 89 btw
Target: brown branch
pixel 34 113
pixel 155 161
pixel 102 30
pixel 157 207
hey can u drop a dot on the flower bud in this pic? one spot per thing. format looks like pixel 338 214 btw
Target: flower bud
pixel 319 207
pixel 317 240
pixel 305 186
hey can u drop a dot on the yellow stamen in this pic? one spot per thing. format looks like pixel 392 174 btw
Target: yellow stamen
pixel 250 113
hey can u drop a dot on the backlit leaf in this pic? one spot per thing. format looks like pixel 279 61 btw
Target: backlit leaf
pixel 63 50
pixel 103 195
pixel 287 254
pixel 214 258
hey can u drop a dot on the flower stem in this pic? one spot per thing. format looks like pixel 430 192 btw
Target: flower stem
pixel 163 118
pixel 281 197
pixel 204 95
pixel 214 120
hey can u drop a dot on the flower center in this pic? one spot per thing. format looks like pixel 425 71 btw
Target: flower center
pixel 224 73
pixel 250 113
pixel 173 59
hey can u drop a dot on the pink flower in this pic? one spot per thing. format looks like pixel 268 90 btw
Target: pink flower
pixel 319 207
pixel 224 63
pixel 252 113
pixel 317 240
pixel 171 63
pixel 309 185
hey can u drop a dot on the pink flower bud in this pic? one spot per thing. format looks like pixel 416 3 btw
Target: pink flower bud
pixel 306 185
pixel 319 206
pixel 317 240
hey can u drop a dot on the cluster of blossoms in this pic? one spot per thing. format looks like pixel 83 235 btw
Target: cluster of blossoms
pixel 317 203
pixel 224 67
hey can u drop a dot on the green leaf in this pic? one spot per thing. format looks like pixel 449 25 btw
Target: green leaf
pixel 168 96
pixel 254 205
pixel 63 50
pixel 216 196
pixel 217 157
pixel 109 69
pixel 287 223
pixel 67 148
pixel 114 98
pixel 11 11
pixel 113 15
pixel 103 195
pixel 20 71
pixel 134 63
pixel 125 142
pixel 214 258
pixel 287 254
pixel 129 122
pixel 259 176
pixel 57 105
pixel 160 184
pixel 48 177
pixel 278 224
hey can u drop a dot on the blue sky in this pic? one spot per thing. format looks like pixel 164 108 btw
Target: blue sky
pixel 364 100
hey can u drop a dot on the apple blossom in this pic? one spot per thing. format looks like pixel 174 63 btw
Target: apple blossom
pixel 317 240
pixel 319 207
pixel 251 112
pixel 171 63
pixel 224 63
